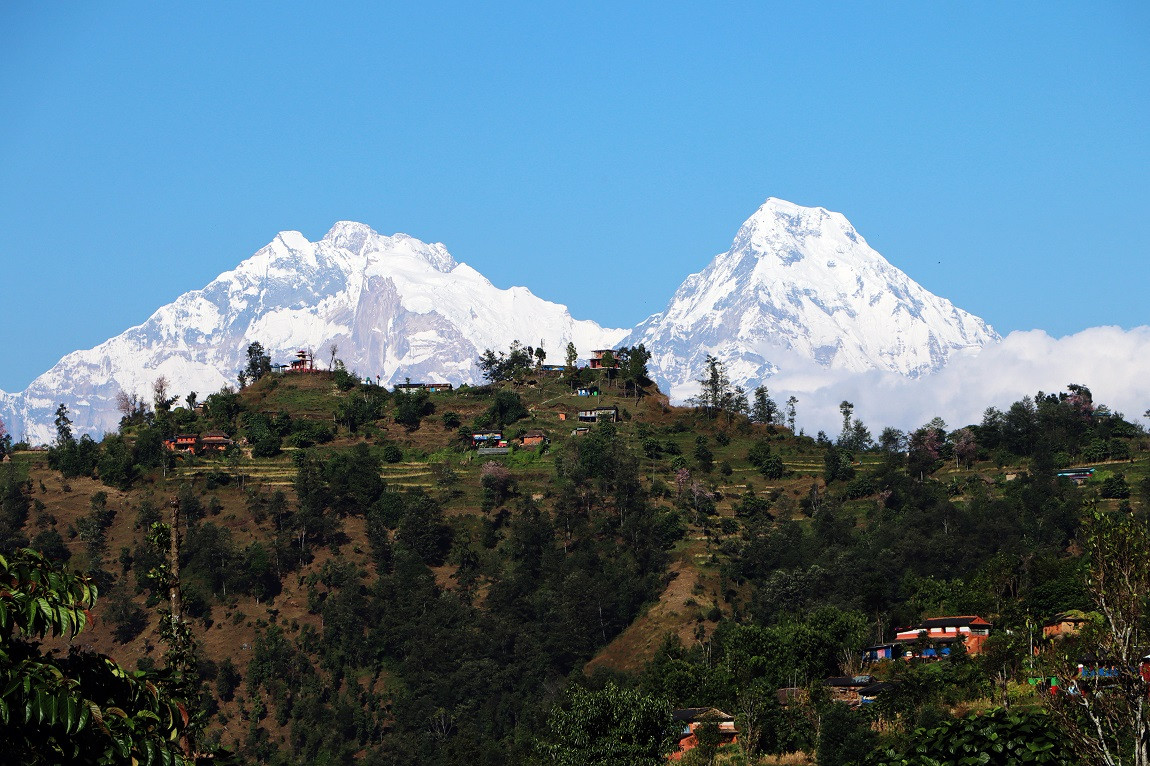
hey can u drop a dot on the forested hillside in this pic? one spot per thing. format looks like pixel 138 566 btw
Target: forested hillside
pixel 366 581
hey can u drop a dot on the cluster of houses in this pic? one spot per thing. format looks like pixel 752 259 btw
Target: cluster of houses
pixel 304 362
pixel 932 639
pixel 211 442
pixel 493 443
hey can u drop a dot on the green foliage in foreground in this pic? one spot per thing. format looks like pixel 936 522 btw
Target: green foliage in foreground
pixel 995 737
pixel 81 709
pixel 607 727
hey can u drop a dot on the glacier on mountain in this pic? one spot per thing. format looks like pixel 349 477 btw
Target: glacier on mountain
pixel 800 283
pixel 394 306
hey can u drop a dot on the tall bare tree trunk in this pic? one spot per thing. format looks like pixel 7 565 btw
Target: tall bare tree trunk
pixel 174 564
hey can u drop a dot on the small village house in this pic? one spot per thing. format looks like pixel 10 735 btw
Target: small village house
pixel 212 441
pixel 487 439
pixel 215 441
pixel 848 688
pixel 880 652
pixel 533 438
pixel 596 361
pixel 1067 623
pixel 1077 475
pixel 932 638
pixel 692 718
pixel 600 415
pixel 182 443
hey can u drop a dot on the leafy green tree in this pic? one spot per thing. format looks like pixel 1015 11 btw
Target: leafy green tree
pixel 5 440
pixel 424 530
pixel 506 408
pixel 844 736
pixel 609 364
pixel 63 426
pixel 846 408
pixel 223 407
pixel 498 367
pixel 924 451
pixel 609 727
pixel 127 618
pixel 81 709
pixel 763 408
pixel 411 407
pixel 228 679
pixel 116 465
pixel 991 737
pixel 1115 487
pixel 634 368
pixel 714 387
pixel 571 358
pixel 703 455
pixel 837 463
pixel 14 505
pixel 259 363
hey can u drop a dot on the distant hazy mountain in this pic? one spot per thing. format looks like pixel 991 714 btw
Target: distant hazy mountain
pixel 395 307
pixel 800 282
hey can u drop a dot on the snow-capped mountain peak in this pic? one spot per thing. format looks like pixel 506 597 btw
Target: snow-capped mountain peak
pixel 801 280
pixel 360 239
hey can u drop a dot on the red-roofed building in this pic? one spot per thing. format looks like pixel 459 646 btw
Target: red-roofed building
pixel 215 441
pixel 937 632
pixel 182 443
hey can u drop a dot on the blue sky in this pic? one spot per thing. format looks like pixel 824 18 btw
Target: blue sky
pixel 998 153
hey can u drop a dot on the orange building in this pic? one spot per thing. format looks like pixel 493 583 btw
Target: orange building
pixel 692 718
pixel 1065 624
pixel 533 438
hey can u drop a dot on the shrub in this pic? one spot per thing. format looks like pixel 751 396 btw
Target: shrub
pixel 392 453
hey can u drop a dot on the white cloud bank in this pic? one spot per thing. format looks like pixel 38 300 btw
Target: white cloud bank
pixel 1114 363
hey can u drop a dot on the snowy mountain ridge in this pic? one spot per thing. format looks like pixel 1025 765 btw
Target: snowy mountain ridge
pixel 798 289
pixel 394 306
